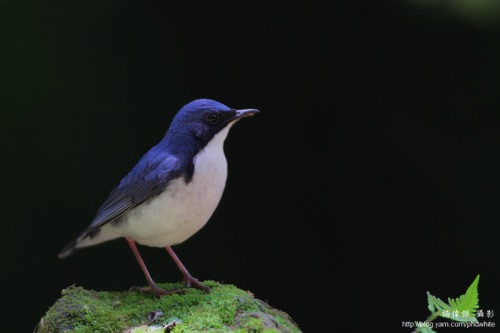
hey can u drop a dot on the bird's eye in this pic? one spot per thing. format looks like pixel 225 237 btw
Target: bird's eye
pixel 212 118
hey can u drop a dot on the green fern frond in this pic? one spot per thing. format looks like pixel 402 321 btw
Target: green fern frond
pixel 469 301
pixel 458 309
pixel 437 305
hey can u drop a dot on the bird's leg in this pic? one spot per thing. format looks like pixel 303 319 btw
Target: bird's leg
pixel 152 287
pixel 188 278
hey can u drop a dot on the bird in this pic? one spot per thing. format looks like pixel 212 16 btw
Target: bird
pixel 171 192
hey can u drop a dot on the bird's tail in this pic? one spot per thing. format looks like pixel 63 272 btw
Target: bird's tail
pixel 89 237
pixel 69 249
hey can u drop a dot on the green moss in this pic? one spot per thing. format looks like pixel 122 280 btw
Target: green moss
pixel 224 309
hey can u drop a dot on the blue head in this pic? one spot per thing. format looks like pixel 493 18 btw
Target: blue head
pixel 199 121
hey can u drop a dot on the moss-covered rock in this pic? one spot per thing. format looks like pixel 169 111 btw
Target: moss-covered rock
pixel 224 309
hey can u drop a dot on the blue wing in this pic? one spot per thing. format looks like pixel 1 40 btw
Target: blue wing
pixel 148 178
pixel 145 181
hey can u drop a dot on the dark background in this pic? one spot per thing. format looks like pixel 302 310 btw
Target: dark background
pixel 370 177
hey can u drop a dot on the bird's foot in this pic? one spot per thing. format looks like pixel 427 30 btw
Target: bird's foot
pixel 156 291
pixel 192 282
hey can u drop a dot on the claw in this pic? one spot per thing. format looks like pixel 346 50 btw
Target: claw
pixel 192 282
pixel 156 291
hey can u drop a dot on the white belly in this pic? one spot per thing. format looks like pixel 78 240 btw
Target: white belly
pixel 183 209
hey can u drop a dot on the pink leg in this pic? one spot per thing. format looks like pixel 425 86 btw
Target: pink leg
pixel 188 278
pixel 152 287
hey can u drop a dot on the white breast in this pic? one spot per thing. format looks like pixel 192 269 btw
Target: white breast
pixel 183 209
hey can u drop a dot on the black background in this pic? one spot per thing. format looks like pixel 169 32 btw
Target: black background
pixel 370 176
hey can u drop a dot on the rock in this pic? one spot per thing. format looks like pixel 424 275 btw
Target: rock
pixel 224 309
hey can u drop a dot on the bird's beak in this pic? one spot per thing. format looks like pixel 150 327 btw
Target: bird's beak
pixel 245 113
